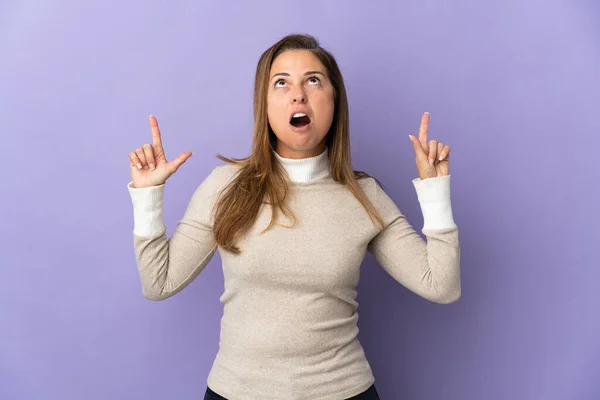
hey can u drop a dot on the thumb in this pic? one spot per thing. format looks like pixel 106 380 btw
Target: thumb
pixel 419 151
pixel 178 162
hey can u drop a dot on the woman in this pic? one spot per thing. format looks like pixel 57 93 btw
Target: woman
pixel 292 223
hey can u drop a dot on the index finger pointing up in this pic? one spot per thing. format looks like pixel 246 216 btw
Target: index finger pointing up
pixel 423 128
pixel 156 139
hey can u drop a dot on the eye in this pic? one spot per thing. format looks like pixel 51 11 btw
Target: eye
pixel 278 82
pixel 314 79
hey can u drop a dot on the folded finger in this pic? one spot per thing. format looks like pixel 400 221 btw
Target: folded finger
pixel 445 153
pixel 149 152
pixel 432 151
pixel 133 159
pixel 141 156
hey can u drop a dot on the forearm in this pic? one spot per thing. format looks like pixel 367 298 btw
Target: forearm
pixel 166 266
pixel 431 267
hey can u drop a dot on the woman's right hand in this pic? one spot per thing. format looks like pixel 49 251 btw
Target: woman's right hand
pixel 149 166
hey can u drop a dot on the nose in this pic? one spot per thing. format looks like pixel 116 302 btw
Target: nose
pixel 299 97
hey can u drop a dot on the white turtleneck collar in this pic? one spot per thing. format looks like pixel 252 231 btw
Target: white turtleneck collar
pixel 305 169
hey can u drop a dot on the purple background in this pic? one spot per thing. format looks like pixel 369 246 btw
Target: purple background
pixel 512 87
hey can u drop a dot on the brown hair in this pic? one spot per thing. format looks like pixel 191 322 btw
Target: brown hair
pixel 261 175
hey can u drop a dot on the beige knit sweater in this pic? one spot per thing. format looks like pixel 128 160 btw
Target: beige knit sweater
pixel 289 326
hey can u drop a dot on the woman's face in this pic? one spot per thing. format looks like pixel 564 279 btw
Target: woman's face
pixel 299 86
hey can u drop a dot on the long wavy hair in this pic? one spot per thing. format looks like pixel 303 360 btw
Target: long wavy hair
pixel 261 177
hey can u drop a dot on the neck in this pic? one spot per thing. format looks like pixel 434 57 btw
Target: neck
pixel 305 169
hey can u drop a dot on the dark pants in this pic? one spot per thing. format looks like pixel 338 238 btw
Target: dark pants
pixel 369 394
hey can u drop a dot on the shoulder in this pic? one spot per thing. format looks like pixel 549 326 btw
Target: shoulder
pixel 369 184
pixel 222 174
pixel 217 179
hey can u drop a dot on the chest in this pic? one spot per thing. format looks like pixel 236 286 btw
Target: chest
pixel 321 250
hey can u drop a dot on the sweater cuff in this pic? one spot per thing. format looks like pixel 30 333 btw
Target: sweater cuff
pixel 147 209
pixel 434 198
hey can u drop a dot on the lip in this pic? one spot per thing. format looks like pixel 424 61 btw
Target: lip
pixel 300 110
pixel 302 128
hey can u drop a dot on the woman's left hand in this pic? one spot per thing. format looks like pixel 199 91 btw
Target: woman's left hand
pixel 433 158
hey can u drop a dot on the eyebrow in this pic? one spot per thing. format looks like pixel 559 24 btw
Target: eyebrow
pixel 306 73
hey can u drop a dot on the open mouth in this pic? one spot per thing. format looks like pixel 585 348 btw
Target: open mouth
pixel 299 120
